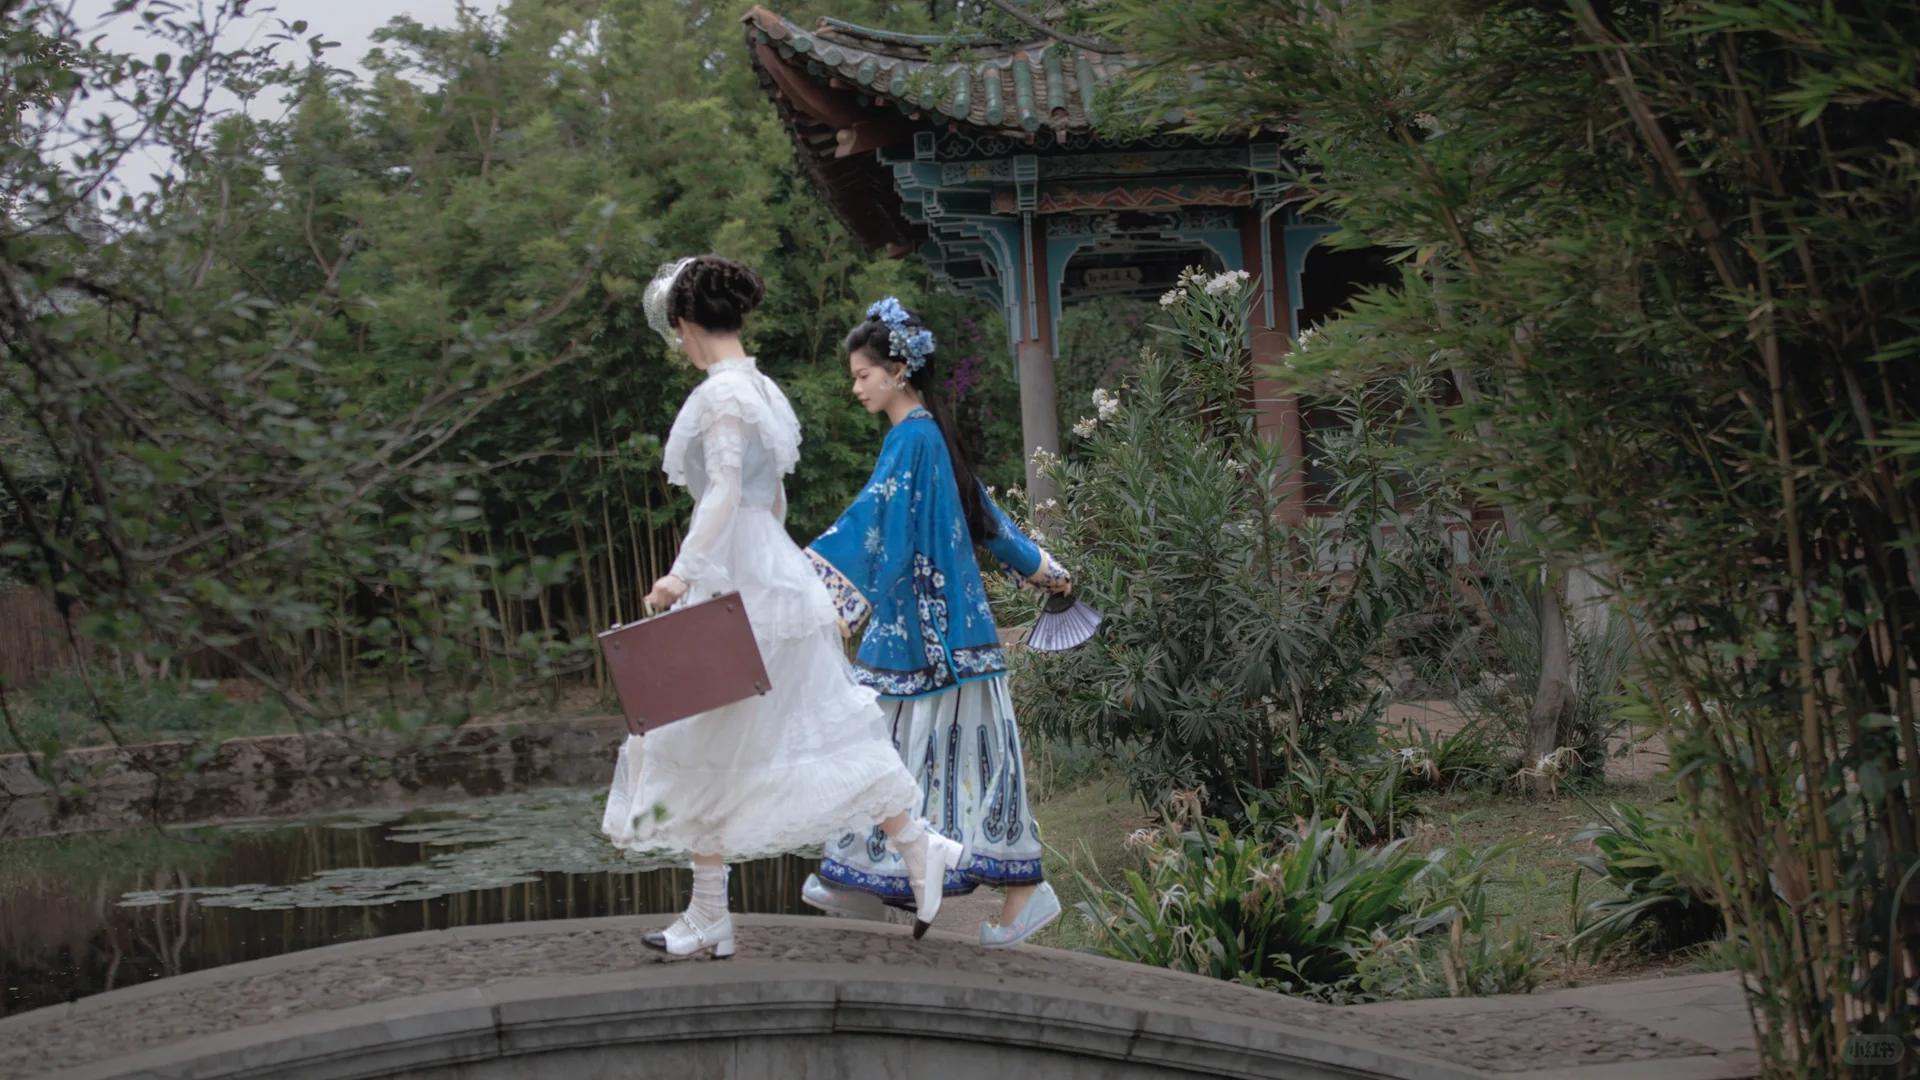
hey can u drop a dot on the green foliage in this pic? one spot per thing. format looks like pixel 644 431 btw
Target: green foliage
pixel 1283 916
pixel 1370 798
pixel 1467 759
pixel 1664 254
pixel 247 382
pixel 1490 670
pixel 1100 344
pixel 1236 642
pixel 1665 899
pixel 1475 955
pixel 1057 767
pixel 68 711
pixel 1310 910
pixel 364 390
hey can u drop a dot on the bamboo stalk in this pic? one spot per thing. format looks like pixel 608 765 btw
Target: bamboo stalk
pixel 346 665
pixel 1812 742
pixel 641 581
pixel 500 604
pixel 606 529
pixel 546 613
pixel 586 579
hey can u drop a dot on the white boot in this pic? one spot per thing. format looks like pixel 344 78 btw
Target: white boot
pixel 928 856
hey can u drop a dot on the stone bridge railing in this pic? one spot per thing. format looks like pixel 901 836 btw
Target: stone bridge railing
pixel 803 998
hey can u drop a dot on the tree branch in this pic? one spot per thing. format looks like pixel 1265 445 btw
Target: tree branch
pixel 1033 22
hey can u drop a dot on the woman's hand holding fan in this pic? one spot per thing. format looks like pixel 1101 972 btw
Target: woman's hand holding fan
pixel 1063 622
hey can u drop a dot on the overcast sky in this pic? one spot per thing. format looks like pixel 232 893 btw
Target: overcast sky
pixel 349 22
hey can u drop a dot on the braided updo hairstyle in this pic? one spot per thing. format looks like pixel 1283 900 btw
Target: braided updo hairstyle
pixel 716 294
pixel 874 340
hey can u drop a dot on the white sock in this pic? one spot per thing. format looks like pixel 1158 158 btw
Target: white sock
pixel 911 843
pixel 709 904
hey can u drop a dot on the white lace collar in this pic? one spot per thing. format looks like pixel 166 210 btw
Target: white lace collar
pixel 755 400
pixel 731 363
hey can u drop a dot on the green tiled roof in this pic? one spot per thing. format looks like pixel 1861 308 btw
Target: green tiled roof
pixel 989 85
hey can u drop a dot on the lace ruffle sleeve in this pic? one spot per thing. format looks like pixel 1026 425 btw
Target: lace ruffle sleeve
pixel 753 402
pixel 723 447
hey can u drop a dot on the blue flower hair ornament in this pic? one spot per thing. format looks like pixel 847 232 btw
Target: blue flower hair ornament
pixel 911 347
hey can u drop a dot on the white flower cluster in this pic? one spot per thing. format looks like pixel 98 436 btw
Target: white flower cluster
pixel 1106 405
pixel 1227 282
pixel 1197 279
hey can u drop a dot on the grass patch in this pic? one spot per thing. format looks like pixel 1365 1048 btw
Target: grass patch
pixel 1085 828
pixel 1537 886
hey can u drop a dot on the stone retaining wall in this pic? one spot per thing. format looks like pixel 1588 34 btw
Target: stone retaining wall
pixel 286 775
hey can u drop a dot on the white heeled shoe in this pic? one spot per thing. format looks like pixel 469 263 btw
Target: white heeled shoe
pixel 937 856
pixel 685 939
pixel 851 903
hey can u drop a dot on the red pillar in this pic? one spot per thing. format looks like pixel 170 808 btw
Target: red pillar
pixel 1039 399
pixel 1276 406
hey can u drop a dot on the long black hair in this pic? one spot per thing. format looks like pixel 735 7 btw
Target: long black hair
pixel 872 339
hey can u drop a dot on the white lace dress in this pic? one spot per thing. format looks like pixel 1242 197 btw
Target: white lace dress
pixel 810 758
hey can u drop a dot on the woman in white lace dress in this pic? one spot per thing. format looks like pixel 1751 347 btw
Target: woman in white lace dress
pixel 810 758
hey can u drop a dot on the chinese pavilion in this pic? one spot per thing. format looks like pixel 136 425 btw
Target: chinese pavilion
pixel 983 159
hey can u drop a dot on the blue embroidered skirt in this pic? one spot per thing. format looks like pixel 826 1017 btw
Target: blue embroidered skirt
pixel 964 749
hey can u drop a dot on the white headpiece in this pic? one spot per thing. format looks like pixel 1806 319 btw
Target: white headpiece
pixel 656 296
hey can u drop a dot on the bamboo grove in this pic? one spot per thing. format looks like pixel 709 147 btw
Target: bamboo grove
pixel 358 401
pixel 1666 252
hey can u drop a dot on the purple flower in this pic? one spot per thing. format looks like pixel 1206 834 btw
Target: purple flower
pixel 967 374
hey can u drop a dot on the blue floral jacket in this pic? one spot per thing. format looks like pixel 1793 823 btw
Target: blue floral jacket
pixel 901 556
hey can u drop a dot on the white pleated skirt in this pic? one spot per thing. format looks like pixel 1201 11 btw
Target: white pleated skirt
pixel 772 774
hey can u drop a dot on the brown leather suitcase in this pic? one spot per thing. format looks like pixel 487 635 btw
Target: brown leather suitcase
pixel 689 661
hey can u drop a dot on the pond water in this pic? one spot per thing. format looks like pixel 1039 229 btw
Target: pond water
pixel 84 914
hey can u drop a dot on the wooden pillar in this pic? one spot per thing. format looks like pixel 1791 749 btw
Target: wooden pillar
pixel 1039 400
pixel 1277 407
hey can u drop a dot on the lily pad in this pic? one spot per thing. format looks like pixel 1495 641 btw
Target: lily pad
pixel 487 843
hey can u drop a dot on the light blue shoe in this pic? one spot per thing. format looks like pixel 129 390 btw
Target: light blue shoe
pixel 1040 912
pixel 847 903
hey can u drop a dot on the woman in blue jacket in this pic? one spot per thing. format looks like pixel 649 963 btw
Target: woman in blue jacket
pixel 901 561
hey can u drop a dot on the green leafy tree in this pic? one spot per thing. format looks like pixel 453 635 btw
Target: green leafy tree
pixel 1236 645
pixel 248 385
pixel 1664 253
pixel 363 390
